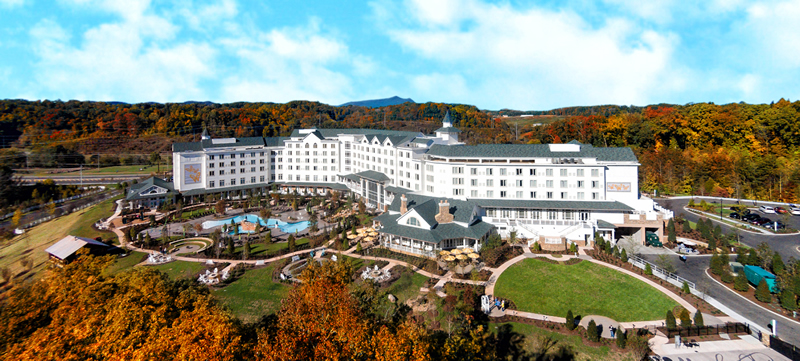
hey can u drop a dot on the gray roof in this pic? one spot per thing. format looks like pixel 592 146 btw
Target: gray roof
pixel 396 190
pixel 330 133
pixel 439 232
pixel 461 210
pixel 529 151
pixel 135 189
pixel 336 186
pixel 200 191
pixel 71 244
pixel 537 204
pixel 373 175
pixel 352 177
pixel 239 142
pixel 447 130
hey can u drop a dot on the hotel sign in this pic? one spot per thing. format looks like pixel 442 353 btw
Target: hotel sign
pixel 191 174
pixel 618 187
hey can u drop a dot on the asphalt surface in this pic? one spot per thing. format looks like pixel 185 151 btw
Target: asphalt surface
pixel 694 269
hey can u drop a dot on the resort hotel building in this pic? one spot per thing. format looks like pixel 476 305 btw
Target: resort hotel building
pixel 434 192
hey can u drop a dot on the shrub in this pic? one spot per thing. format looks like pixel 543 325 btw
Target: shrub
pixel 753 259
pixel 727 276
pixel 671 324
pixel 621 339
pixel 686 320
pixel 570 322
pixel 762 292
pixel 686 228
pixel 624 255
pixel 591 331
pixel 671 236
pixel 787 300
pixel 648 270
pixel 685 287
pixel 777 264
pixel 740 283
pixel 573 248
pixel 536 247
pixel 698 319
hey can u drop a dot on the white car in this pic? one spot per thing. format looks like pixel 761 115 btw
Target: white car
pixel 766 209
pixel 795 211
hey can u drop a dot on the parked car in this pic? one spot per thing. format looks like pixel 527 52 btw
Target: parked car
pixel 781 210
pixel 735 215
pixel 766 209
pixel 763 221
pixel 779 224
pixel 750 217
pixel 795 211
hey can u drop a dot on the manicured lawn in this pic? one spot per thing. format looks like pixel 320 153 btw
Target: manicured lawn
pixel 261 248
pixel 533 334
pixel 33 243
pixel 585 288
pixel 180 269
pixel 253 295
pixel 125 263
pixel 407 286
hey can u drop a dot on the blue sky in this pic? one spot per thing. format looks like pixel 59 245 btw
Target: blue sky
pixel 511 54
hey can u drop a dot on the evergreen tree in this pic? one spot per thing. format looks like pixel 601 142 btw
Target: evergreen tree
pixel 648 270
pixel 246 250
pixel 671 235
pixel 777 264
pixel 712 244
pixel 698 319
pixel 670 320
pixel 715 265
pixel 741 255
pixel 591 331
pixel 753 259
pixel 616 252
pixel 686 320
pixel 717 232
pixel 570 322
pixel 621 338
pixel 726 276
pixel 290 243
pixel 230 247
pixel 685 288
pixel 687 228
pixel 762 292
pixel 624 255
pixel 740 283
pixel 787 299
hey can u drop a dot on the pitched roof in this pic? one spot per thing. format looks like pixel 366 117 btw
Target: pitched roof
pixel 605 225
pixel 461 210
pixel 228 142
pixel 529 151
pixel 330 133
pixel 133 192
pixel 69 245
pixel 373 175
pixel 437 234
pixel 537 204
pixel 447 130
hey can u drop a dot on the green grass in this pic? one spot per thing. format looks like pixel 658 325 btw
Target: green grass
pixel 585 288
pixel 122 169
pixel 407 286
pixel 180 269
pixel 533 333
pixel 33 243
pixel 253 295
pixel 125 263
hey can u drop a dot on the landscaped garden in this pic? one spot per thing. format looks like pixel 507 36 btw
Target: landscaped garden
pixel 180 269
pixel 253 295
pixel 585 288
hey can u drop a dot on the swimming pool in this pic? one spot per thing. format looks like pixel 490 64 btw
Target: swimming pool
pixel 270 223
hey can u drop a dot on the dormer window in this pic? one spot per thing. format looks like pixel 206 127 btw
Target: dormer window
pixel 412 222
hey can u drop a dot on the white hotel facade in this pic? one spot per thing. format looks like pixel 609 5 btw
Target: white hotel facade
pixel 556 194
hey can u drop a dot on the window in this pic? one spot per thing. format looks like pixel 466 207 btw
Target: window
pixel 473 171
pixel 583 215
pixel 502 194
pixel 552 215
pixel 211 173
pixel 457 181
pixel 211 184
pixel 595 184
pixel 533 183
pixel 233 156
pixel 549 183
pixel 519 194
pixel 458 192
pixel 563 172
pixel 502 171
pixel 488 171
pixel 473 182
pixel 489 194
pixel 519 182
pixel 473 193
pixel 580 184
pixel 429 188
pixel 548 172
pixel 233 182
pixel 211 165
pixel 241 180
pixel 569 215
pixel 221 164
pixel 533 195
pixel 536 214
pixel 549 195
pixel 458 170
pixel 253 179
pixel 519 171
pixel 533 171
pixel 579 172
pixel 490 182
pixel 261 179
pixel 563 195
pixel 429 167
pixel 222 183
pixel 503 182
pixel 580 195
pixel 595 172
pixel 429 178
pixel 221 172
pixel 233 164
pixel 563 184
pixel 595 196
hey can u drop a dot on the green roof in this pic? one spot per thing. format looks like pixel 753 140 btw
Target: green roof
pixel 447 130
pixel 396 190
pixel 461 210
pixel 238 142
pixel 373 175
pixel 605 225
pixel 133 192
pixel 336 186
pixel 537 204
pixel 200 191
pixel 330 133
pixel 352 177
pixel 439 232
pixel 529 151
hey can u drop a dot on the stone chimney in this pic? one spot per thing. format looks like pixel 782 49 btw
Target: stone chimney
pixel 403 204
pixel 444 215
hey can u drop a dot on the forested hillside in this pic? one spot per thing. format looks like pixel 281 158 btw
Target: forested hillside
pixel 735 149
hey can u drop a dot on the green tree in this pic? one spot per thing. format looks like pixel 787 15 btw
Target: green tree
pixel 621 338
pixel 231 250
pixel 686 320
pixel 155 158
pixel 740 283
pixel 698 319
pixel 726 276
pixel 762 292
pixel 685 288
pixel 648 270
pixel 290 243
pixel 752 258
pixel 670 320
pixel 672 237
pixel 591 331
pixel 788 300
pixel 687 228
pixel 777 264
pixel 246 250
pixel 570 321
pixel 624 255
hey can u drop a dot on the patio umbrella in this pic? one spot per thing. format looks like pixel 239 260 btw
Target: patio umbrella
pixel 474 255
pixel 373 234
pixel 352 236
pixel 370 229
pixel 467 250
pixel 368 239
pixel 461 257
pixel 449 258
pixel 444 253
pixel 455 251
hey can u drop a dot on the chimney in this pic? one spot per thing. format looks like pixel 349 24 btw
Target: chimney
pixel 444 215
pixel 403 204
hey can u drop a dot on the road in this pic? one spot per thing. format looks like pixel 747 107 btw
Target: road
pixel 74 180
pixel 695 267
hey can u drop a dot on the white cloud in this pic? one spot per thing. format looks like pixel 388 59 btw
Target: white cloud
pixel 557 57
pixel 774 29
pixel 11 3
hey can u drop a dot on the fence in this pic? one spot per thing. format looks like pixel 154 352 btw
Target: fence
pixel 87 205
pixel 660 272
pixel 784 348
pixel 728 328
pixel 58 201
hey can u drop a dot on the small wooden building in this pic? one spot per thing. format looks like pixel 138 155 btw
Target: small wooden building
pixel 66 250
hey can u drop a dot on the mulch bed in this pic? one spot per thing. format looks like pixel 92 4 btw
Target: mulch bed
pixel 773 306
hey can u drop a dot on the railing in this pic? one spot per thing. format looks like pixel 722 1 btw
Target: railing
pixel 668 213
pixel 87 205
pixel 59 201
pixel 660 272
pixel 421 252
